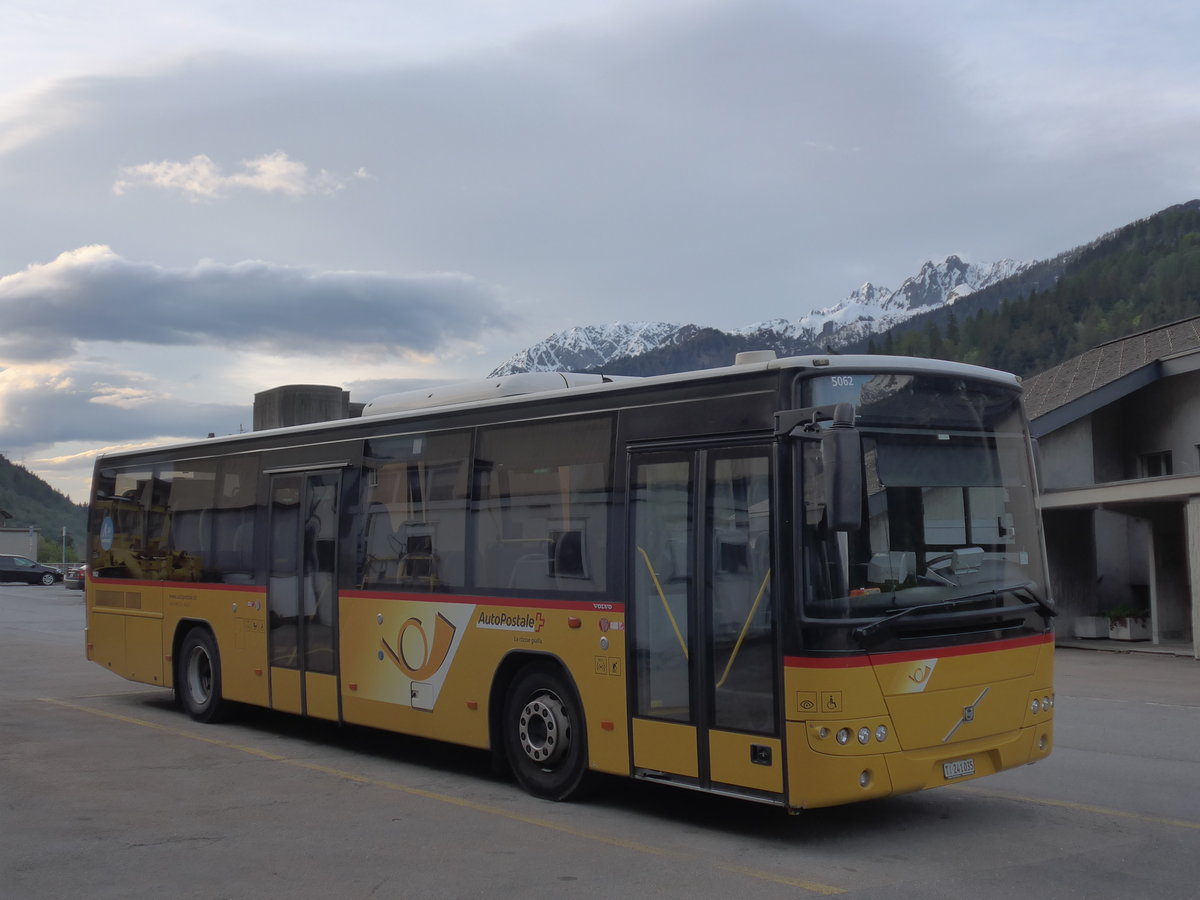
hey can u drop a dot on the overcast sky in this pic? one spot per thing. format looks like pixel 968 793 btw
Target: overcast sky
pixel 201 201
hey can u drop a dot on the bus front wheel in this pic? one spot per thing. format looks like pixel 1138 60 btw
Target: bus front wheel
pixel 544 737
pixel 198 679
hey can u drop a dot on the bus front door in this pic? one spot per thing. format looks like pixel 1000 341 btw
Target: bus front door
pixel 302 592
pixel 702 628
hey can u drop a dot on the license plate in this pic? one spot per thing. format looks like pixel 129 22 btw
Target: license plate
pixel 960 768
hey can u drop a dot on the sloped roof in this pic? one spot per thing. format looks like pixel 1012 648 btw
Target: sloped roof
pixel 1105 373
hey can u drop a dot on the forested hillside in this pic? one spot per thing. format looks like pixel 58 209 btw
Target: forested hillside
pixel 30 501
pixel 1141 276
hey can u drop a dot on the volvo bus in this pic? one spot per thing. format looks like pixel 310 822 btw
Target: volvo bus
pixel 804 581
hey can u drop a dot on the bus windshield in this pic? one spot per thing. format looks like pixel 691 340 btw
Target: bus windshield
pixel 949 545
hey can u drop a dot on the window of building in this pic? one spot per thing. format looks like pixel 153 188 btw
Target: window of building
pixel 1154 465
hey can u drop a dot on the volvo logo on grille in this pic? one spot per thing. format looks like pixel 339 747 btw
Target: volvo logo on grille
pixel 968 715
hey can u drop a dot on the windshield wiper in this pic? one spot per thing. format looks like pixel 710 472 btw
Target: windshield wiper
pixel 1022 591
pixel 1026 591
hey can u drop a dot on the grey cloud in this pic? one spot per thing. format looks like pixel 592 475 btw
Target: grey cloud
pixel 92 294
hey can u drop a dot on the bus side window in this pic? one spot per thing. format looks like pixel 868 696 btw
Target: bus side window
pixel 233 521
pixel 416 493
pixel 191 485
pixel 542 511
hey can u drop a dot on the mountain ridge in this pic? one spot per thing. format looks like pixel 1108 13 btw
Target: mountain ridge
pixel 1013 316
pixel 870 309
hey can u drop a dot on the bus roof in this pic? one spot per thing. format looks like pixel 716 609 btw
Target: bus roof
pixel 523 387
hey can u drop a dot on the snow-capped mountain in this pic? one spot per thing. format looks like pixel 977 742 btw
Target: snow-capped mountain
pixel 868 310
pixel 590 346
pixel 871 309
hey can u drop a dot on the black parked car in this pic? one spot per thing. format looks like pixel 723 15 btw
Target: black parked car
pixel 21 568
pixel 76 577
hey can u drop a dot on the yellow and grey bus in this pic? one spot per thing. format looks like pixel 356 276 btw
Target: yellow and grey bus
pixel 803 581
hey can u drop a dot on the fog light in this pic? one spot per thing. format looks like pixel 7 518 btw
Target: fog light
pixel 843 736
pixel 1043 742
pixel 864 778
pixel 881 733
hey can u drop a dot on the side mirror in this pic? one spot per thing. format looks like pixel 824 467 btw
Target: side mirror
pixel 841 457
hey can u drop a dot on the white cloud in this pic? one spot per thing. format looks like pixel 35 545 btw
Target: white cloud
pixel 201 179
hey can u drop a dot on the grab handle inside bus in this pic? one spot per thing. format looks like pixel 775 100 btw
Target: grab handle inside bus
pixel 745 627
pixel 663 597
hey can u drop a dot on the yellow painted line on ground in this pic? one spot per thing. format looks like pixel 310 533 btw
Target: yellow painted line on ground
pixel 1082 807
pixel 129 720
pixel 814 886
pixel 635 846
pixel 482 808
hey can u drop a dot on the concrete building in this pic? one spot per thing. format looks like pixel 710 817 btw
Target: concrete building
pixel 1119 435
pixel 17 541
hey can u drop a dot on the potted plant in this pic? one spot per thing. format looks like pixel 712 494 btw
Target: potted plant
pixel 1128 623
pixel 1090 627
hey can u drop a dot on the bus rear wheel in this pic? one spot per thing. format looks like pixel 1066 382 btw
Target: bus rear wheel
pixel 543 734
pixel 198 678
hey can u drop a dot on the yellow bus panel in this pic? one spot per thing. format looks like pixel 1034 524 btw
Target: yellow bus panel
pixel 665 747
pixel 321 696
pixel 732 760
pixel 144 648
pixel 285 690
pixel 106 640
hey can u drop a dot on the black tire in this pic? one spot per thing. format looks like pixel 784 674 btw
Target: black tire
pixel 198 676
pixel 47 578
pixel 543 733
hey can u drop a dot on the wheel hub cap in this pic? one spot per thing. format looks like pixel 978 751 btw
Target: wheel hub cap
pixel 199 676
pixel 543 729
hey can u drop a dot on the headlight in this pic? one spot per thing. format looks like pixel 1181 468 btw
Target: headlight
pixel 864 735
pixel 881 733
pixel 843 736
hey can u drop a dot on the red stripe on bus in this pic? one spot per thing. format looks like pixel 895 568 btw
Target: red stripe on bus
pixel 594 605
pixel 178 585
pixel 470 600
pixel 901 656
